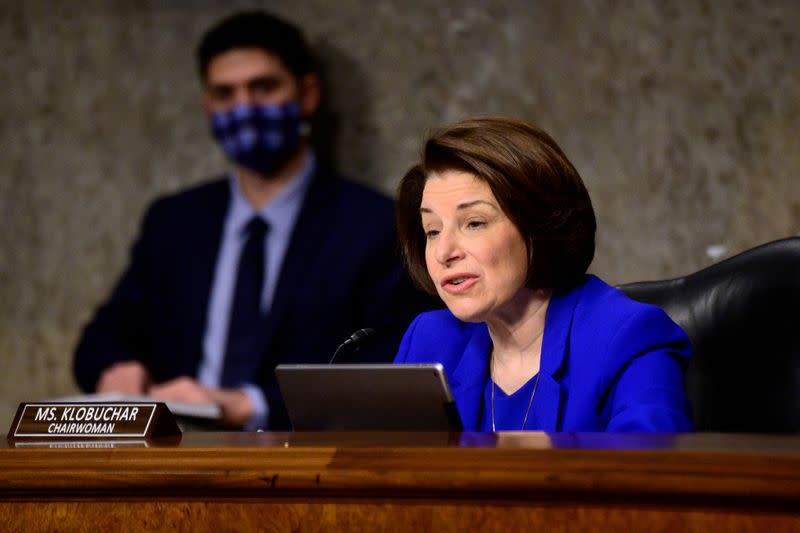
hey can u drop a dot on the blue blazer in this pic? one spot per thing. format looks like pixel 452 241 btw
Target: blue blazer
pixel 608 363
pixel 341 273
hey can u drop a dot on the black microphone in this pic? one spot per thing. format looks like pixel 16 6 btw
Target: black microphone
pixel 352 340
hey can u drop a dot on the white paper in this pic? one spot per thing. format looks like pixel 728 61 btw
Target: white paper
pixel 209 411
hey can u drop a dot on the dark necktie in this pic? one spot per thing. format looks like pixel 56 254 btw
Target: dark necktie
pixel 246 320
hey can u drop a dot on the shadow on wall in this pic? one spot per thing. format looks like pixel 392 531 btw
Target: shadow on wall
pixel 343 123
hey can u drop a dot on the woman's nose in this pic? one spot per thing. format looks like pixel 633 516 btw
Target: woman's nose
pixel 448 249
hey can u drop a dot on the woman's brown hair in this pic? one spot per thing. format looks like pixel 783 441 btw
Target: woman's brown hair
pixel 533 181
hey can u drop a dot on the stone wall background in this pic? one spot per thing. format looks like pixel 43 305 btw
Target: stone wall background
pixel 681 116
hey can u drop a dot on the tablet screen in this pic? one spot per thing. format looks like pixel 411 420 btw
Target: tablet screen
pixel 360 397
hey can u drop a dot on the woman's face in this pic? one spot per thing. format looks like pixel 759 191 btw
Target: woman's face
pixel 475 255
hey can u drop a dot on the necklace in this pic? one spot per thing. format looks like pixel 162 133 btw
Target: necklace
pixel 530 402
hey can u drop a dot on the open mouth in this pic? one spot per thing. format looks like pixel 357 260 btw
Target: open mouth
pixel 459 282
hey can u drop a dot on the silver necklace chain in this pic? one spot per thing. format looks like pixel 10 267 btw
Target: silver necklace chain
pixel 530 402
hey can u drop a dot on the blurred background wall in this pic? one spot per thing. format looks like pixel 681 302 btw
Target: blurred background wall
pixel 682 117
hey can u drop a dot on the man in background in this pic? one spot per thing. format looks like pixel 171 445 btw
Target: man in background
pixel 279 262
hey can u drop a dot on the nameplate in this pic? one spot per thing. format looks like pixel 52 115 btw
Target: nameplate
pixel 90 421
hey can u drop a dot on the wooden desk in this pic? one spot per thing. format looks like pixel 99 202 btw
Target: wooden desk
pixel 408 482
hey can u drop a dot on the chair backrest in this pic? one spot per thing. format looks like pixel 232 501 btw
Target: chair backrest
pixel 742 317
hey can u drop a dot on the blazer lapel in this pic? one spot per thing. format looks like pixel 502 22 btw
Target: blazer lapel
pixel 469 377
pixel 558 324
pixel 309 232
pixel 203 238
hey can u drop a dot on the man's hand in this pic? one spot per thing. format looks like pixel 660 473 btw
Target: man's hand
pixel 182 389
pixel 237 409
pixel 127 377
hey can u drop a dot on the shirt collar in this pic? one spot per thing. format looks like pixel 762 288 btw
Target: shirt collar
pixel 278 210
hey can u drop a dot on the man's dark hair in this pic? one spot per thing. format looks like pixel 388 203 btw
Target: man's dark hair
pixel 256 29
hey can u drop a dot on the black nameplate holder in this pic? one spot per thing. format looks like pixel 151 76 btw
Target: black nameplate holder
pixel 93 422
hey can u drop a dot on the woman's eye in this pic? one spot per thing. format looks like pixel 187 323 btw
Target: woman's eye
pixel 475 224
pixel 431 233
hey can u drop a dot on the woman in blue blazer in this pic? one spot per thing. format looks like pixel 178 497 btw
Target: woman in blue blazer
pixel 498 223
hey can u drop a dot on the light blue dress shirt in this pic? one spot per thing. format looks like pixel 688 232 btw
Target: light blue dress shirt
pixel 281 215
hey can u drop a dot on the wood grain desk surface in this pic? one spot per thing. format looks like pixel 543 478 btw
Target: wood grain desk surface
pixel 712 468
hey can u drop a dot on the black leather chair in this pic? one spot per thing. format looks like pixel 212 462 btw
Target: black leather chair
pixel 742 317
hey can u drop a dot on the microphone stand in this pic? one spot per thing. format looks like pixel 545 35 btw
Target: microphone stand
pixel 353 340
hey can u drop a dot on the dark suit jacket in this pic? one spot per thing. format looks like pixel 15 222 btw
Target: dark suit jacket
pixel 608 363
pixel 341 272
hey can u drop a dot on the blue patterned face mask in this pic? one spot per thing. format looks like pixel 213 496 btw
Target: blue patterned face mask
pixel 259 137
